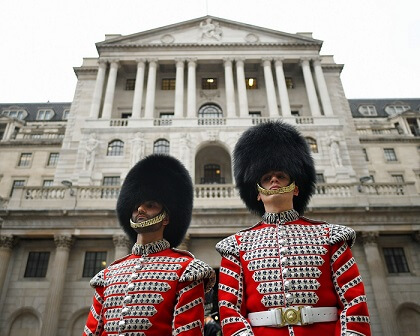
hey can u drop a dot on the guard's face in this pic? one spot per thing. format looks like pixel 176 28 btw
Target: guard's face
pixel 274 180
pixel 146 210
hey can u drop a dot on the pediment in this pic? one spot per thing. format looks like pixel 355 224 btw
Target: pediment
pixel 208 30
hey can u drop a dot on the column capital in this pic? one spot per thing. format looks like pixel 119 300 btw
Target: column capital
pixel 227 60
pixel 370 237
pixel 63 241
pixel 266 61
pixel 120 240
pixel 7 241
pixel 140 60
pixel 305 60
pixel 114 60
pixel 279 59
pixel 180 60
pixel 152 60
pixel 192 61
pixel 102 61
pixel 316 60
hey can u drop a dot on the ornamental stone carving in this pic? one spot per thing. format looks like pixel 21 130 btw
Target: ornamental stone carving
pixel 63 241
pixel 7 241
pixel 210 30
pixel 167 38
pixel 252 38
pixel 121 241
pixel 370 237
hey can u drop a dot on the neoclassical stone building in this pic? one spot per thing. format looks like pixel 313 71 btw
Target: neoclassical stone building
pixel 189 90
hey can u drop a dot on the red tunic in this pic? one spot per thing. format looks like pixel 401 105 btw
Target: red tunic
pixel 287 260
pixel 155 291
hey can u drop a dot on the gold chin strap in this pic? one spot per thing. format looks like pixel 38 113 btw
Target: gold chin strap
pixel 149 222
pixel 281 190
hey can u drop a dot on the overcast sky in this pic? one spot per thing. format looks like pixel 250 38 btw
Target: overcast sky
pixel 378 41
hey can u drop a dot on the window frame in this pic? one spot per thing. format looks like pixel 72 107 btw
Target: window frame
pixel 91 270
pixel 168 84
pixel 130 84
pixel 53 159
pixel 390 155
pixel 35 271
pixel 207 85
pixel 27 162
pixel 251 87
pixel 313 145
pixel 44 114
pixel 161 146
pixel 387 261
pixel 14 185
pixel 115 148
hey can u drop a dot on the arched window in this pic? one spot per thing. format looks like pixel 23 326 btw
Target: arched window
pixel 210 111
pixel 115 148
pixel 212 174
pixel 312 144
pixel 161 146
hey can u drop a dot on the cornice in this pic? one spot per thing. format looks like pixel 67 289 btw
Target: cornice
pixel 210 45
pixel 371 138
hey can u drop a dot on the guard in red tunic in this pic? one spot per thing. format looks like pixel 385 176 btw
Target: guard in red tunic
pixel 157 290
pixel 286 275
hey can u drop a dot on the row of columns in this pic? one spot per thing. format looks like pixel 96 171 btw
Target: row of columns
pixel 63 245
pixel 267 64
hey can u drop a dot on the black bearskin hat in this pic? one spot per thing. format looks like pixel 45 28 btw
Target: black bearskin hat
pixel 163 179
pixel 273 146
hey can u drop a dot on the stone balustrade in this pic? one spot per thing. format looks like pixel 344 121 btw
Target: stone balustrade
pixel 211 196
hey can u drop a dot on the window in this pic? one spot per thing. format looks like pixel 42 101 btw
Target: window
pixel 37 264
pixel 115 148
pixel 367 110
pixel 289 83
pixel 25 160
pixel 66 114
pixel 161 146
pixel 390 154
pixel 365 154
pixel 125 115
pixel 414 126
pixel 110 181
pixel 255 114
pixel 320 178
pixel 47 183
pixel 2 130
pixel 312 144
pixel 18 114
pixel 398 178
pixel 209 83
pixel 251 83
pixel 395 109
pixel 45 114
pixel 295 113
pixel 166 115
pixel 168 84
pixel 212 174
pixel 130 84
pixel 395 260
pixel 210 111
pixel 94 263
pixel 53 159
pixel 17 184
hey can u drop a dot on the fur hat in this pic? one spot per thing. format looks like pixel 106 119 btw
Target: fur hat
pixel 163 179
pixel 273 146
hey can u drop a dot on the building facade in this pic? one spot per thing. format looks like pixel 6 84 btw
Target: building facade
pixel 189 90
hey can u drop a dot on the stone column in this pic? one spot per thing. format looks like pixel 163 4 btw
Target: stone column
pixel 379 284
pixel 281 84
pixel 310 88
pixel 230 90
pixel 122 245
pixel 191 105
pixel 138 89
pixel 97 92
pixel 269 86
pixel 240 78
pixel 151 90
pixel 322 87
pixel 110 90
pixel 6 247
pixel 179 88
pixel 58 277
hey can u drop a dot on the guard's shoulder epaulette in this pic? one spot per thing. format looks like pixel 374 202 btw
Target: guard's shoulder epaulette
pixel 98 280
pixel 199 270
pixel 184 252
pixel 339 233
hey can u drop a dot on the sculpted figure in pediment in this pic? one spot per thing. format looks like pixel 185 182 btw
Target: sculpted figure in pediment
pixel 210 29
